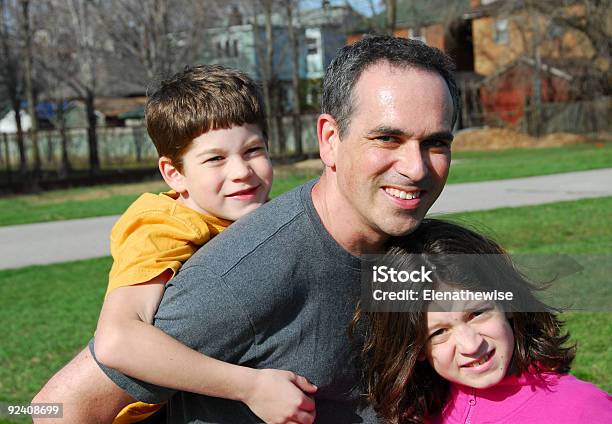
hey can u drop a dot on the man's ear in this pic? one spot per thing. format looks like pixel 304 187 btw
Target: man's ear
pixel 172 176
pixel 329 137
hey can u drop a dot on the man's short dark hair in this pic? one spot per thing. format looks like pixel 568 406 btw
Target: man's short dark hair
pixel 344 71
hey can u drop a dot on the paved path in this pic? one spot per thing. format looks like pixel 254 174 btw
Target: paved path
pixel 62 241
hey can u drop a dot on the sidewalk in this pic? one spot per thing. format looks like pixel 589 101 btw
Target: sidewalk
pixel 61 241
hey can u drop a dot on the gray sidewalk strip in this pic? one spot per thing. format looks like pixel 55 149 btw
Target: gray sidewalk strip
pixel 62 241
pixel 524 191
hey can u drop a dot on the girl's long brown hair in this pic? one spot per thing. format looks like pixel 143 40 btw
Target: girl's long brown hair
pixel 404 389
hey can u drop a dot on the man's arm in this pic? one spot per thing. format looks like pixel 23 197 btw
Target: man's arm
pixel 87 394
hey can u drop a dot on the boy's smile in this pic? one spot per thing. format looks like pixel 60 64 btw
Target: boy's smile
pixel 226 172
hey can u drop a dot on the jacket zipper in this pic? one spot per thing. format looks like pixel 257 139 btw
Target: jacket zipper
pixel 471 403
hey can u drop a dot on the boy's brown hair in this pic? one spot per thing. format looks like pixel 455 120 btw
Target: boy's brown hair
pixel 197 100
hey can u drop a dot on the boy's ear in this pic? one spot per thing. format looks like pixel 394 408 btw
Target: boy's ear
pixel 327 132
pixel 172 176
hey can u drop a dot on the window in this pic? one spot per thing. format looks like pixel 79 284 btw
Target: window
pixel 416 34
pixel 219 49
pixel 311 45
pixel 500 31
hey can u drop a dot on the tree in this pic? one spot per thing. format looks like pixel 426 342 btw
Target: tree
pixel 290 7
pixel 78 42
pixel 390 16
pixel 27 60
pixel 10 76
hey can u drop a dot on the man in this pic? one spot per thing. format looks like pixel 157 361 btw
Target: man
pixel 278 289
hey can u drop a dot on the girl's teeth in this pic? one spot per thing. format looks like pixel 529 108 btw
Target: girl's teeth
pixel 482 361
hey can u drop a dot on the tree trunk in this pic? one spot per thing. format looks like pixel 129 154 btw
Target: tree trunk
pixel 391 11
pixel 92 139
pixel 10 79
pixel 295 80
pixel 65 167
pixel 268 79
pixel 23 159
pixel 27 60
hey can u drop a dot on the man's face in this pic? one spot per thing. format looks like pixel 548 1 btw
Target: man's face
pixel 393 159
pixel 227 172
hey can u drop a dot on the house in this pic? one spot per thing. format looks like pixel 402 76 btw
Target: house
pixel 239 43
pixel 506 93
pixel 529 57
pixel 503 32
pixel 438 23
pixel 115 108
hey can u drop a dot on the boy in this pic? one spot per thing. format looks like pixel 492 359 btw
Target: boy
pixel 208 126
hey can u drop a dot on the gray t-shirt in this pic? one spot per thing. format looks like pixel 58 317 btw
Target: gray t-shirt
pixel 274 290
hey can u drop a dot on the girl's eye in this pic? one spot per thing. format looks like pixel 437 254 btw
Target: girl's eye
pixel 479 312
pixel 214 159
pixel 437 335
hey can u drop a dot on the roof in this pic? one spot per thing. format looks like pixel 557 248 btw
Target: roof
pixel 115 106
pixel 137 113
pixel 524 60
pixel 418 13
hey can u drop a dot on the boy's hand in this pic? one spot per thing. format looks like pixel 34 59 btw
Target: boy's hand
pixel 280 397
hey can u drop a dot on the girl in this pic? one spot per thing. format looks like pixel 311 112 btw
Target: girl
pixel 469 361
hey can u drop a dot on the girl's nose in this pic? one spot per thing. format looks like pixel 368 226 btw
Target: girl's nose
pixel 468 340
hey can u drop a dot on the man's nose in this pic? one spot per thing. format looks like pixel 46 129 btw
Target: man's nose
pixel 468 340
pixel 239 169
pixel 411 162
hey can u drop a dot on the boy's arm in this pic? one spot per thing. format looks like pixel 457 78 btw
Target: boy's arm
pixel 126 341
pixel 85 392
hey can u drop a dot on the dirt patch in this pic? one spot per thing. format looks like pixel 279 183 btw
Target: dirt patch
pixel 309 166
pixel 501 138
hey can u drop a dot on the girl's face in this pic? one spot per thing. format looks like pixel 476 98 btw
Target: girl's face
pixel 472 347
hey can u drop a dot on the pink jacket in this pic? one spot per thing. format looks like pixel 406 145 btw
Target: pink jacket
pixel 560 399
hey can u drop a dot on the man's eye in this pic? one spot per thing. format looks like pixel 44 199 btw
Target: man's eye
pixel 386 138
pixel 438 143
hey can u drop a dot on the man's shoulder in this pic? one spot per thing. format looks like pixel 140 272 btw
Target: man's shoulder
pixel 272 227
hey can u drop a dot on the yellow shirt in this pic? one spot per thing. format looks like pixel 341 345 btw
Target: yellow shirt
pixel 154 234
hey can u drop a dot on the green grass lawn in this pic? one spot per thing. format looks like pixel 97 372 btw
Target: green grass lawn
pixel 467 167
pixel 515 163
pixel 49 312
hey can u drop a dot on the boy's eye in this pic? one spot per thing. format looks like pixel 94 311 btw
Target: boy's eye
pixel 254 150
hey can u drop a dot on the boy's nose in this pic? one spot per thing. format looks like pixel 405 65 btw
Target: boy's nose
pixel 239 169
pixel 468 340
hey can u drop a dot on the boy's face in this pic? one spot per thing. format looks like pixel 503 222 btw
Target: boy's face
pixel 472 347
pixel 227 172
